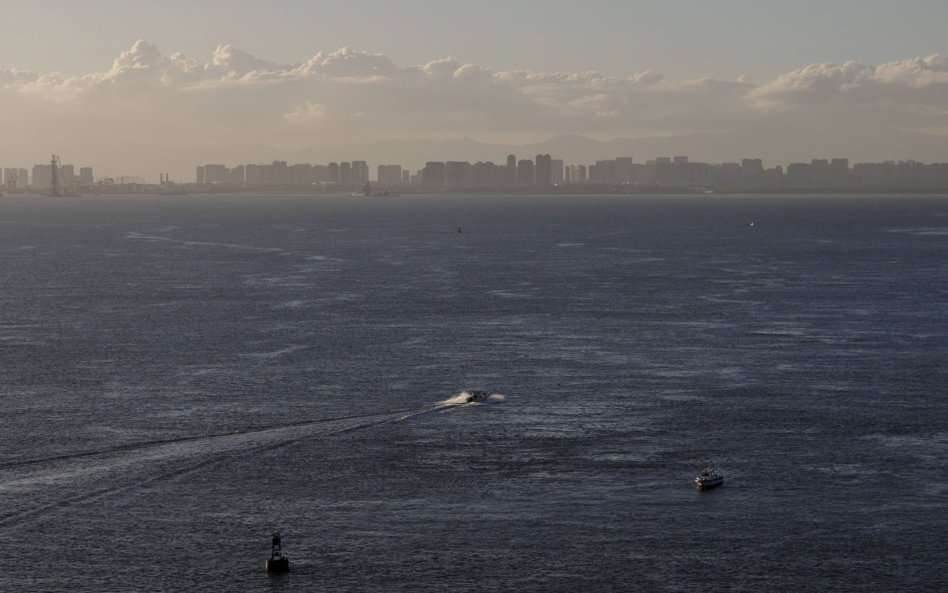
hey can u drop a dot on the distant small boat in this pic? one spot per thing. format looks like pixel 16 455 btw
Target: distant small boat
pixel 366 191
pixel 278 563
pixel 708 479
pixel 477 396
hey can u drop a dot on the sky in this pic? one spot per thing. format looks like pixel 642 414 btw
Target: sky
pixel 125 85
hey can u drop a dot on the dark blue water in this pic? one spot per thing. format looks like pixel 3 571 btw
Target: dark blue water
pixel 181 375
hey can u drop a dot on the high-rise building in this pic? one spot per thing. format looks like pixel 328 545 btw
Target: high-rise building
pixel 543 171
pixel 484 174
pixel 359 172
pixel 557 166
pixel 839 171
pixel 215 174
pixel 500 175
pixel 389 174
pixel 42 176
pixel 433 174
pixel 511 179
pixel 9 179
pixel 603 172
pixel 733 174
pixel 525 174
pixel 300 174
pixel 86 178
pixel 798 175
pixel 254 174
pixel 661 170
pixel 457 173
pixel 678 173
pixel 281 173
pixel 320 173
pixel 22 178
pixel 67 174
pixel 345 173
pixel 576 174
pixel 406 177
pixel 235 176
pixel 199 176
pixel 625 169
pixel 752 166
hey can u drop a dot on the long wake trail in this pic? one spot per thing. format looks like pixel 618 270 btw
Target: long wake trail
pixel 51 484
pixel 192 438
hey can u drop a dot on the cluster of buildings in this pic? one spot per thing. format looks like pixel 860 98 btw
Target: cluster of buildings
pixel 542 173
pixel 546 172
pixel 41 178
pixel 279 173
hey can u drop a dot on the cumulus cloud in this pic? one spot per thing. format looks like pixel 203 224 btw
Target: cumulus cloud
pixel 142 66
pixel 14 75
pixel 922 81
pixel 230 61
pixel 347 63
pixel 176 100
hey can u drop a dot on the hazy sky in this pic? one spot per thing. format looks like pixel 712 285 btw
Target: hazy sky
pixel 257 75
pixel 689 39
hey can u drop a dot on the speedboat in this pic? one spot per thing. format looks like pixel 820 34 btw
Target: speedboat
pixel 477 396
pixel 708 479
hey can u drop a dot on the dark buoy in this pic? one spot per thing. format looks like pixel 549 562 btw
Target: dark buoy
pixel 459 230
pixel 278 563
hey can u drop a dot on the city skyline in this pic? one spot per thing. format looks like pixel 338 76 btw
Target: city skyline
pixel 543 172
pixel 175 97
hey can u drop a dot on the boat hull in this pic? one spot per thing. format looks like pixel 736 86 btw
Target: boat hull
pixel 709 484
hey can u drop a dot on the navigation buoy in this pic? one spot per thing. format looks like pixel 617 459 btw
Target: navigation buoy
pixel 278 563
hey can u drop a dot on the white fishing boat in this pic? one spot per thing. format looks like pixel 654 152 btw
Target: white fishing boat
pixel 709 478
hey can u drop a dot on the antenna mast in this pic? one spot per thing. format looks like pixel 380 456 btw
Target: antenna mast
pixel 54 173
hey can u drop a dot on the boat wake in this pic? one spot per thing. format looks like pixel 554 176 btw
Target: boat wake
pixel 34 489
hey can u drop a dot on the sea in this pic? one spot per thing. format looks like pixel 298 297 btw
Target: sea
pixel 181 376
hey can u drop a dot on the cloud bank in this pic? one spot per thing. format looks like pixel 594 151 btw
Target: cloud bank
pixel 172 101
